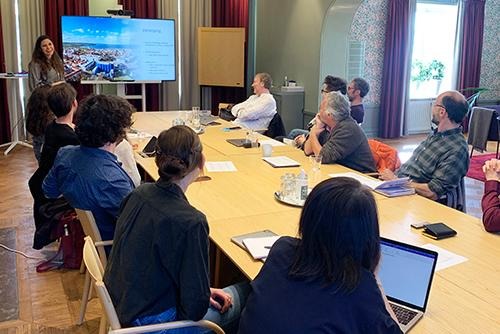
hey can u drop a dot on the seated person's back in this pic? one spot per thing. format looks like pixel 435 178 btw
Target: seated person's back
pixel 337 137
pixel 157 223
pixel 324 282
pixel 59 133
pixel 89 176
pixel 258 110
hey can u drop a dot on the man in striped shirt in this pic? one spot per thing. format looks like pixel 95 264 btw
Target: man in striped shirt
pixel 442 160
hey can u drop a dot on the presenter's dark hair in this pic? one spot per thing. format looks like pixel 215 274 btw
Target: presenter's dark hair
pixel 39 114
pixel 456 106
pixel 335 84
pixel 60 98
pixel 45 64
pixel 178 153
pixel 102 119
pixel 266 79
pixel 361 85
pixel 339 234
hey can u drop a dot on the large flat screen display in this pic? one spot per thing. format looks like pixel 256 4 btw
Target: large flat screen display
pixel 118 49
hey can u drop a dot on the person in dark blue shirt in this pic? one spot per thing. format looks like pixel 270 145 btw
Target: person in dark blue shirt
pixel 89 176
pixel 325 281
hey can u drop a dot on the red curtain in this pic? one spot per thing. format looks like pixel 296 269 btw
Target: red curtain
pixel 469 69
pixel 4 106
pixel 230 13
pixel 145 9
pixel 396 62
pixel 54 9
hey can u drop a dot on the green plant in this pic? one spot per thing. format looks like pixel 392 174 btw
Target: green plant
pixel 436 69
pixel 426 71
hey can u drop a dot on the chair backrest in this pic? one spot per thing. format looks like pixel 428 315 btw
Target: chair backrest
pixel 276 127
pixel 456 198
pixel 90 228
pixel 96 271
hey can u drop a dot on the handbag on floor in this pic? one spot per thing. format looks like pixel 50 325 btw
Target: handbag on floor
pixel 70 252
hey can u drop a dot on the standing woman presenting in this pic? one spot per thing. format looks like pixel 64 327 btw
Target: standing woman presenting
pixel 45 68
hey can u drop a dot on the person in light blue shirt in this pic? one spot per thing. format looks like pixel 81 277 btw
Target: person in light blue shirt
pixel 89 176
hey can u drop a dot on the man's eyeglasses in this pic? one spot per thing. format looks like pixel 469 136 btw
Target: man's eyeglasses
pixel 439 105
pixel 324 91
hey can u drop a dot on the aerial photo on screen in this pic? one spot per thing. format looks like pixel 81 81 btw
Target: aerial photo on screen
pixel 102 48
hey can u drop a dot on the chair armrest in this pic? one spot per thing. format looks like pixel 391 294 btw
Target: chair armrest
pixel 168 325
pixel 104 243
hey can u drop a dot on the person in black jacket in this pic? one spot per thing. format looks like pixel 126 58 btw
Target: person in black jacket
pixel 61 99
pixel 158 267
pixel 324 281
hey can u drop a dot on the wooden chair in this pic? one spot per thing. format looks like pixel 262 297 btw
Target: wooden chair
pixel 90 229
pixel 96 270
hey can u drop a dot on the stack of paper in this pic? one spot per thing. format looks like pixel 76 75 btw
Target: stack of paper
pixel 259 247
pixel 390 188
pixel 281 161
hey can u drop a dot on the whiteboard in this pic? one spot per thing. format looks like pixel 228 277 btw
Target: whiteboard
pixel 221 56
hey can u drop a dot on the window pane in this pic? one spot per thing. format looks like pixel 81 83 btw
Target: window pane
pixel 433 49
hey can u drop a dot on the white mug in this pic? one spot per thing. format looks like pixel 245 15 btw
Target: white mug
pixel 267 150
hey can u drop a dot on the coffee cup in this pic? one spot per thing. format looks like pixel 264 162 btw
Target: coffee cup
pixel 267 150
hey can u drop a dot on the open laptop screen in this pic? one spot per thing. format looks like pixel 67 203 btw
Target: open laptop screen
pixel 406 272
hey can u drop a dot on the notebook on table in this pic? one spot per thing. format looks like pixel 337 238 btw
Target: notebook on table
pixel 406 273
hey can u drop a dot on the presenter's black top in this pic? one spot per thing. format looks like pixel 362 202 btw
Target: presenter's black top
pixel 282 304
pixel 159 258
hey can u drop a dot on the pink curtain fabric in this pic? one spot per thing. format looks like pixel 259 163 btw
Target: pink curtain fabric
pixel 230 13
pixel 469 69
pixel 54 9
pixel 396 63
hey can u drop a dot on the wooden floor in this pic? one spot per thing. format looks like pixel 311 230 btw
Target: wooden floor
pixel 49 302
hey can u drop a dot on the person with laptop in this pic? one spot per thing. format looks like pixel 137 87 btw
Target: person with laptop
pixel 325 280
pixel 259 109
pixel 157 223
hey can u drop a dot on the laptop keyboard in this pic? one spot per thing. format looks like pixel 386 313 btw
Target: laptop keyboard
pixel 404 315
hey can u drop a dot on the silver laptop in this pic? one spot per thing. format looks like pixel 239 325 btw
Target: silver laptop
pixel 406 274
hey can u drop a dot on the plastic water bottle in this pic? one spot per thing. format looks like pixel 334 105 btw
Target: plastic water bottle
pixel 302 185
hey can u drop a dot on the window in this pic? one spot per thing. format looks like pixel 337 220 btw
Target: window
pixel 433 63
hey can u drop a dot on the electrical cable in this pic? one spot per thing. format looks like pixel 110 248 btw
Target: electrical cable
pixel 21 253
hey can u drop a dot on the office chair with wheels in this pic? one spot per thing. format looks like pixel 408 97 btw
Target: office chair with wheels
pixel 96 270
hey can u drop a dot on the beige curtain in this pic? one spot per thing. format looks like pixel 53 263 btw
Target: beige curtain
pixel 12 65
pixel 31 22
pixel 193 14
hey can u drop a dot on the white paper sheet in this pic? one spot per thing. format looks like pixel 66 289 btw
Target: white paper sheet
pixel 281 161
pixel 259 247
pixel 271 142
pixel 445 258
pixel 220 166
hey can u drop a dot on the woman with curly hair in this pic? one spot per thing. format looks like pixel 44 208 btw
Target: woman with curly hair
pixel 89 176
pixel 46 67
pixel 38 117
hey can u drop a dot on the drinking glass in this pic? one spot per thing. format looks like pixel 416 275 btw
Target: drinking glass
pixel 316 162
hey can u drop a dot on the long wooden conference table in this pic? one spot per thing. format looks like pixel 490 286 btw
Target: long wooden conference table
pixel 465 298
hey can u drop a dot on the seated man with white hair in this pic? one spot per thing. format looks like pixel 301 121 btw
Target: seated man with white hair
pixel 337 137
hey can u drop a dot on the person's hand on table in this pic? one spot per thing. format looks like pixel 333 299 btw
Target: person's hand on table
pixel 491 170
pixel 220 300
pixel 299 140
pixel 387 174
